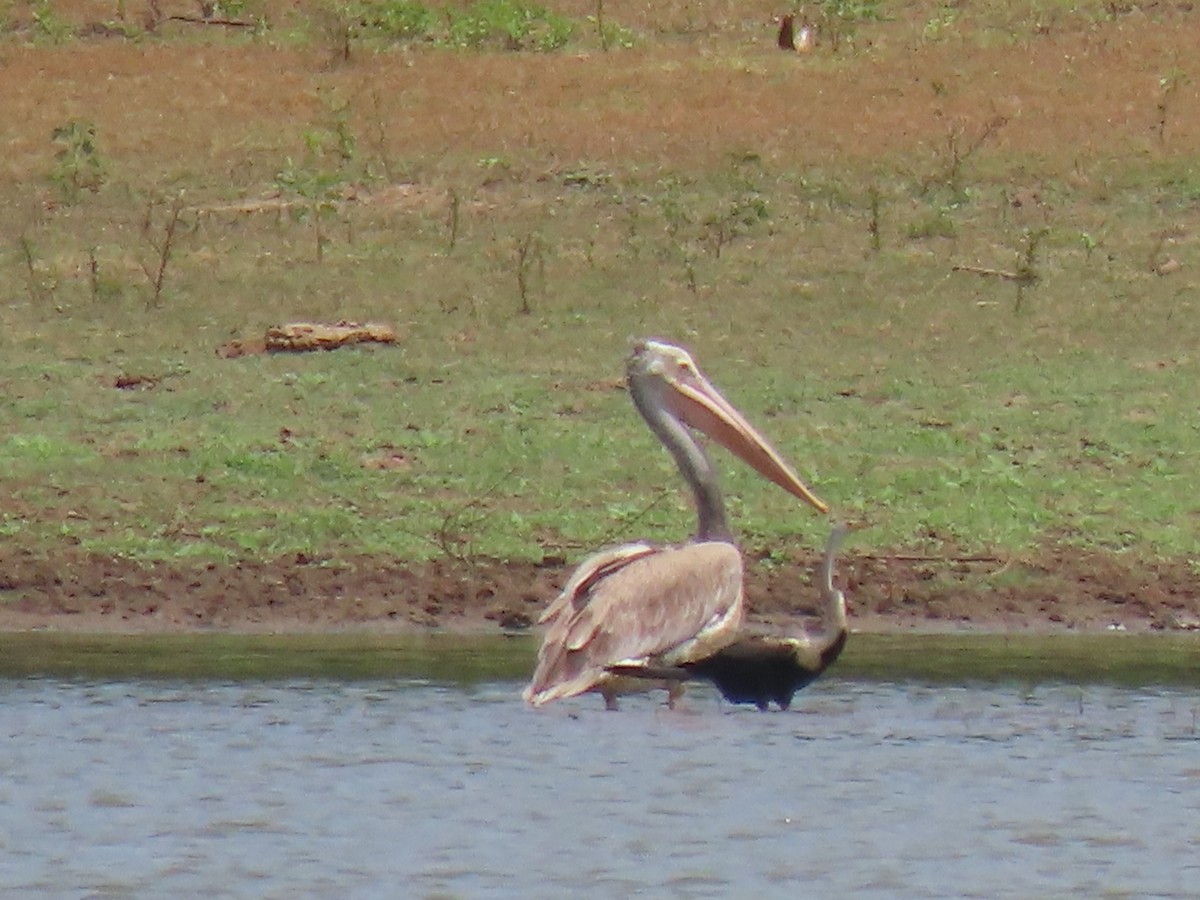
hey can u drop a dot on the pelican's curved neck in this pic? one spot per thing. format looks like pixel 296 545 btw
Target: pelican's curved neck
pixel 693 463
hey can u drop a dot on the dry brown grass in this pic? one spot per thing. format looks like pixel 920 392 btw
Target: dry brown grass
pixel 1072 98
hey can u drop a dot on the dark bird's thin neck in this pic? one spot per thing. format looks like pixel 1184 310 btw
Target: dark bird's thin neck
pixel 831 637
pixel 831 649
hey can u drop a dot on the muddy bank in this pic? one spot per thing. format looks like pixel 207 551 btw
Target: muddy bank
pixel 1058 588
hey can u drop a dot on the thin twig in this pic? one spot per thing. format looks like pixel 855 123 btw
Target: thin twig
pixel 529 253
pixel 623 528
pixel 874 202
pixel 198 20
pixel 157 275
pixel 37 290
pixel 922 557
pixel 992 273
pixel 381 136
pixel 94 273
pixel 444 538
pixel 453 220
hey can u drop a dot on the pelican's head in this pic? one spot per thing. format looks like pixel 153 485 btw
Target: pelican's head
pixel 665 377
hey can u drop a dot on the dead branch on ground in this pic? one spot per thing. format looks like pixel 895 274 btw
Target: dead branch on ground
pixel 994 273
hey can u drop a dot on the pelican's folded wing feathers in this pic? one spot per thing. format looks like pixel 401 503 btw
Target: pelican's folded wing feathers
pixel 642 606
pixel 576 592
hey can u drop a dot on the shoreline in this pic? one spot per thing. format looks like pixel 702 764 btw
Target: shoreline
pixel 1056 590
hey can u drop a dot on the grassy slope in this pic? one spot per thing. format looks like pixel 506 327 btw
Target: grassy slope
pixel 703 187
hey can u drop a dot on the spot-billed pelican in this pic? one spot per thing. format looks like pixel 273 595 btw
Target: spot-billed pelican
pixel 645 605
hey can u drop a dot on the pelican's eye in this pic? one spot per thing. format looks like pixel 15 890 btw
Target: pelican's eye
pixel 685 364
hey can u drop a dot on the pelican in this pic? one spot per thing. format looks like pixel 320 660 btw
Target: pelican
pixel 761 667
pixel 642 605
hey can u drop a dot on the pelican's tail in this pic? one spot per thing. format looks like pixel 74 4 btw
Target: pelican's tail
pixel 541 691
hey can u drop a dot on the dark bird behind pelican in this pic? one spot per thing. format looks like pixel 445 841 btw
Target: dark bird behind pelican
pixel 762 667
pixel 642 605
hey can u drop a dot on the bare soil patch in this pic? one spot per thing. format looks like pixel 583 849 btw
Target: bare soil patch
pixel 1059 588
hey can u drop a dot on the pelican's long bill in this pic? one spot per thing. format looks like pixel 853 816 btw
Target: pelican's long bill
pixel 694 400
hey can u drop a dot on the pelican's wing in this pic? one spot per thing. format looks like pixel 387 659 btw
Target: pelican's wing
pixel 662 606
pixel 576 592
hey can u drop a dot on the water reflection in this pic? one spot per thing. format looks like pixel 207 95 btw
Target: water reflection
pixel 408 789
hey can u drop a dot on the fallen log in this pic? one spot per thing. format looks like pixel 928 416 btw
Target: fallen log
pixel 300 337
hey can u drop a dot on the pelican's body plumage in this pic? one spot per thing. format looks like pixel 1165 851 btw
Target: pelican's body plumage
pixel 641 606
pixel 659 607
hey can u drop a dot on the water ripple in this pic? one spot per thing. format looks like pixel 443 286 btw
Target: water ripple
pixel 373 790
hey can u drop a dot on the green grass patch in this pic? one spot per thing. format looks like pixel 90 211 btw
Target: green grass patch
pixel 920 400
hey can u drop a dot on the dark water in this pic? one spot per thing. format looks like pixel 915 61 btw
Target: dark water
pixel 404 789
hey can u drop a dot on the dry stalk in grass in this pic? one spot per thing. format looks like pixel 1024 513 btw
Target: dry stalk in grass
pixel 1168 86
pixel 600 32
pixel 626 525
pixel 874 200
pixel 156 271
pixel 38 292
pixel 689 270
pixel 453 219
pixel 380 136
pixel 94 273
pixel 530 253
pixel 958 154
pixel 454 536
pixel 320 235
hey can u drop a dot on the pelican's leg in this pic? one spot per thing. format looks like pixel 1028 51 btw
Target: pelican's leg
pixel 610 700
pixel 675 694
